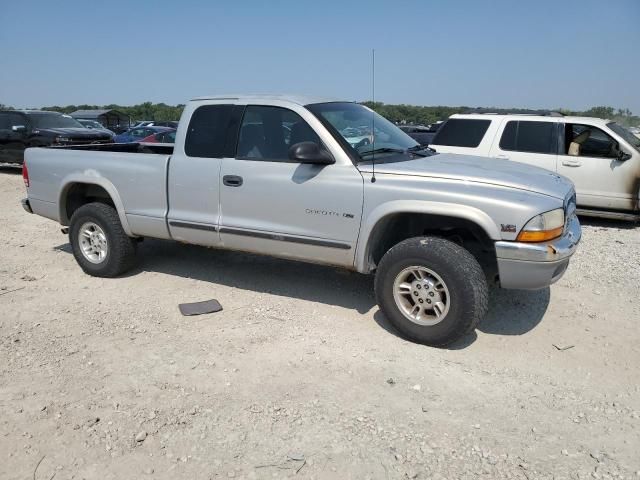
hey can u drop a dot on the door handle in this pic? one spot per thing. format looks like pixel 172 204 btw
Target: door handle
pixel 571 163
pixel 232 180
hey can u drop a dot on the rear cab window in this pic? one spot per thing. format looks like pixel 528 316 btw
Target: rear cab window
pixel 210 133
pixel 462 132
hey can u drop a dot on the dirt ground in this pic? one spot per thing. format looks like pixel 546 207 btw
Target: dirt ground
pixel 300 376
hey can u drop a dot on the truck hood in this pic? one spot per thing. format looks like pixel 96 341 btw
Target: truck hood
pixel 467 168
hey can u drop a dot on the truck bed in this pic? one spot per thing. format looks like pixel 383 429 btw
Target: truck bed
pixel 158 148
pixel 133 175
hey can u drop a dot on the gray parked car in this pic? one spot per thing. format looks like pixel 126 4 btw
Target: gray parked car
pixel 435 228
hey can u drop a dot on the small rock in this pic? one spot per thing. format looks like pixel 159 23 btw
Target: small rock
pixel 391 381
pixel 565 452
pixel 425 409
pixel 148 471
pixel 92 421
pixel 231 474
pixel 417 388
pixel 141 436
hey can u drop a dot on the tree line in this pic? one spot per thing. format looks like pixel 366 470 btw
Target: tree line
pixel 410 114
pixel 418 115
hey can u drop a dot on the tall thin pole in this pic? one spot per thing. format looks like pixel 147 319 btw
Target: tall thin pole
pixel 373 115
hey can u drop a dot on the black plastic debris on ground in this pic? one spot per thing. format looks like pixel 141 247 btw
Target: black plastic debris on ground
pixel 199 308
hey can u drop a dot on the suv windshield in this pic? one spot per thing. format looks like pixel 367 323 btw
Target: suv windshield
pixel 53 120
pixel 629 137
pixel 363 130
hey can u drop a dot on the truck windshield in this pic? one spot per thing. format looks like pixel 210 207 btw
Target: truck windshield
pixel 364 131
pixel 629 137
pixel 53 120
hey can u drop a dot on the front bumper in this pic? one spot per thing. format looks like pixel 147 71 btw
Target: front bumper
pixel 26 205
pixel 532 266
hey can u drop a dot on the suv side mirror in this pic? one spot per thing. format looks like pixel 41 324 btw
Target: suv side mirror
pixel 623 156
pixel 310 152
pixel 19 128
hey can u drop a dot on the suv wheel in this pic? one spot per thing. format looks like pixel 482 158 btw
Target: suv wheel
pixel 99 243
pixel 431 290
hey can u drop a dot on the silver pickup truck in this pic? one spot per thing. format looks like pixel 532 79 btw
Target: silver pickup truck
pixel 320 181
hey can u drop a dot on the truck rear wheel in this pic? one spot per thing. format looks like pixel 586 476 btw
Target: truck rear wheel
pixel 431 290
pixel 99 243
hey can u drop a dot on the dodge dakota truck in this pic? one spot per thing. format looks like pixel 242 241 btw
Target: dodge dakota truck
pixel 320 181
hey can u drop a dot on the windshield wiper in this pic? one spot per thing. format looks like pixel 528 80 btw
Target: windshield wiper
pixel 419 148
pixel 382 150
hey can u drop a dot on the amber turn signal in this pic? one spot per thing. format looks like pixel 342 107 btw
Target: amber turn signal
pixel 540 235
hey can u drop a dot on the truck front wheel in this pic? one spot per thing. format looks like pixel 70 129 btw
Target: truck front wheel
pixel 431 290
pixel 99 243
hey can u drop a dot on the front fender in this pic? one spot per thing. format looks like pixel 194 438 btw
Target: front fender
pixel 91 177
pixel 472 214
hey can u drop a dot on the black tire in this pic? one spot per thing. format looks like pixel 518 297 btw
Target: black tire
pixel 121 249
pixel 459 270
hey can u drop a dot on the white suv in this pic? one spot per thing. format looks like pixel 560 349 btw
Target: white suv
pixel 601 157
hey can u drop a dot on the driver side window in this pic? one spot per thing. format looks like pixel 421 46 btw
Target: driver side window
pixel 588 141
pixel 267 133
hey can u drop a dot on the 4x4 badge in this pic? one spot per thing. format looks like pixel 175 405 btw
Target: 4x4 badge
pixel 508 228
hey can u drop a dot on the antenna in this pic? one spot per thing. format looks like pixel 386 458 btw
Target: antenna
pixel 373 115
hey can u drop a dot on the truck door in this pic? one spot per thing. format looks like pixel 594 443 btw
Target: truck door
pixel 528 141
pixel 194 173
pixel 275 206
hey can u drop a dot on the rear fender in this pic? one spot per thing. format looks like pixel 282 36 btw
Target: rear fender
pixel 90 177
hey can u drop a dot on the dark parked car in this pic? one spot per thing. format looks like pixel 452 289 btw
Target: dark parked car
pixel 421 134
pixel 136 134
pixel 170 124
pixel 20 129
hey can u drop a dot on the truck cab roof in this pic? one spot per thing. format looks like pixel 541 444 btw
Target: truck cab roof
pixel 248 98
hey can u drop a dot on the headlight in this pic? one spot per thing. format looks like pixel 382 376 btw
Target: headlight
pixel 543 227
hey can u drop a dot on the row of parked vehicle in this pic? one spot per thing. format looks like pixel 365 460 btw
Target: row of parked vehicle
pixel 21 129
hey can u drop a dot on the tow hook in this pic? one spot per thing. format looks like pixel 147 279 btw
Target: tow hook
pixel 64 230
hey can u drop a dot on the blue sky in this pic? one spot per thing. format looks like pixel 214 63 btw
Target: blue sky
pixel 537 54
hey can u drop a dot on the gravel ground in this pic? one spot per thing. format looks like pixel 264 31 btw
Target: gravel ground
pixel 300 376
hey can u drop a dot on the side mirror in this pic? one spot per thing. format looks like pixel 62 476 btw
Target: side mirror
pixel 623 156
pixel 19 128
pixel 310 152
